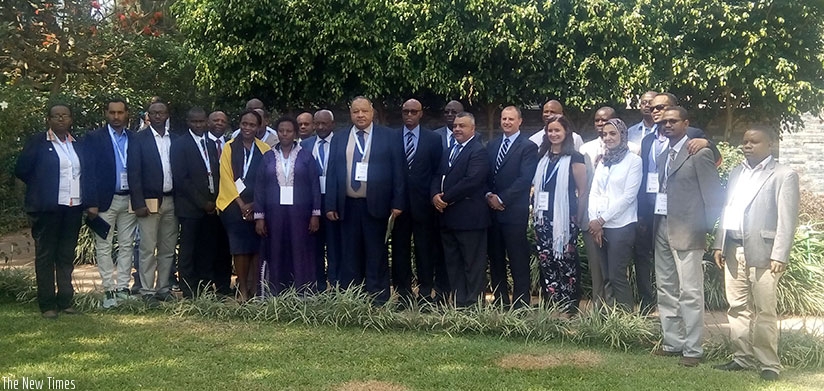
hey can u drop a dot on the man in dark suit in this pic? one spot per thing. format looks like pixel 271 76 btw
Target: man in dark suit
pixel 513 160
pixel 218 126
pixel 651 146
pixel 151 192
pixel 365 185
pixel 196 173
pixel 107 168
pixel 458 193
pixel 305 125
pixel 452 109
pixel 423 152
pixel 328 252
pixel 691 194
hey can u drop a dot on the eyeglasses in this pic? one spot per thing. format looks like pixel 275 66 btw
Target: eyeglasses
pixel 659 107
pixel 671 121
pixel 450 111
pixel 410 112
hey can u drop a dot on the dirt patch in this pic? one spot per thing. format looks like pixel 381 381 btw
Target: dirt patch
pixel 581 359
pixel 370 385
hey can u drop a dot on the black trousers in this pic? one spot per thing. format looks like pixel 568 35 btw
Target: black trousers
pixel 645 267
pixel 328 252
pixel 197 253
pixel 509 241
pixel 429 265
pixel 465 258
pixel 55 238
pixel 222 276
pixel 364 251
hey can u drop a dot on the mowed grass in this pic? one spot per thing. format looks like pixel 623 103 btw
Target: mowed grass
pixel 153 351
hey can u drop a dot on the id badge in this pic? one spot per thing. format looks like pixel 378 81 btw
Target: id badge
pixel 601 205
pixel 360 171
pixel 124 181
pixel 661 204
pixel 74 188
pixel 287 195
pixel 211 184
pixel 240 186
pixel 652 182
pixel 543 200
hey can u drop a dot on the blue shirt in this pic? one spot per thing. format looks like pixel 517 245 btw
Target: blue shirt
pixel 416 132
pixel 120 142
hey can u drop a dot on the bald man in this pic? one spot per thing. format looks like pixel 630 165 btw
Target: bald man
pixel 550 109
pixel 452 109
pixel 305 126
pixel 640 130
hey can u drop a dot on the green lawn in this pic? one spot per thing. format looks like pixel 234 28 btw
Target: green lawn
pixel 106 351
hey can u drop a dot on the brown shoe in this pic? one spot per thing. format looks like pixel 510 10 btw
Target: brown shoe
pixel 70 311
pixel 665 353
pixel 50 314
pixel 690 361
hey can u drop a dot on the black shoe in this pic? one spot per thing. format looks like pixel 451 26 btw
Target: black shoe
pixel 730 366
pixel 151 301
pixel 769 375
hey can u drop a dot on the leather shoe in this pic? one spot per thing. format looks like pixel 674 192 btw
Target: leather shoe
pixel 769 375
pixel 70 311
pixel 665 353
pixel 689 361
pixel 50 314
pixel 730 366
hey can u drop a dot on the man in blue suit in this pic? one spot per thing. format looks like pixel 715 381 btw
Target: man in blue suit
pixel 513 160
pixel 423 150
pixel 327 253
pixel 107 168
pixel 365 186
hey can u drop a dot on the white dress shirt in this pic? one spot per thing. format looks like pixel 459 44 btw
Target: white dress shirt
pixel 68 187
pixel 614 194
pixel 164 144
pixel 744 187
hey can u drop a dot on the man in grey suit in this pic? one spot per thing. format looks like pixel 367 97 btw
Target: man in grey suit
pixel 691 193
pixel 753 242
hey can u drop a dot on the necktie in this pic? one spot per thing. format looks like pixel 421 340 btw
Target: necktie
pixel 205 151
pixel 321 154
pixel 357 156
pixel 410 148
pixel 501 154
pixel 672 154
pixel 219 146
pixel 456 150
pixel 450 141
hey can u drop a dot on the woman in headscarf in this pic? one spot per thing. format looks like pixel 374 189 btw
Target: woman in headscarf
pixel 613 212
pixel 561 176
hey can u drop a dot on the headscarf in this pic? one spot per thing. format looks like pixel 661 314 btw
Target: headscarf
pixel 615 155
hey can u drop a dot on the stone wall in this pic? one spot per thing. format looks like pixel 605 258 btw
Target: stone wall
pixel 804 151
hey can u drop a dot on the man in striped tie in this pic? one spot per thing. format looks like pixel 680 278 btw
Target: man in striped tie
pixel 513 160
pixel 423 151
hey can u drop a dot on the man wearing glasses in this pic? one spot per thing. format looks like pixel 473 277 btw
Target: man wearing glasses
pixel 450 111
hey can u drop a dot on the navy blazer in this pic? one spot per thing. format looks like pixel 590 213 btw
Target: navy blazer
pixel 191 180
pixel 419 175
pixel 100 155
pixel 39 168
pixel 386 182
pixel 514 179
pixel 464 188
pixel 145 170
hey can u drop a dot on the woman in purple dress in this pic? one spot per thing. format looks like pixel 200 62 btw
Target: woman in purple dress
pixel 287 210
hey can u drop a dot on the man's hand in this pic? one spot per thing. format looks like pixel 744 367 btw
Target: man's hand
pixel 438 202
pixel 92 212
pixel 720 260
pixel 141 212
pixel 396 213
pixel 696 144
pixel 332 216
pixel 209 207
pixel 492 201
pixel 314 224
pixel 777 267
pixel 260 227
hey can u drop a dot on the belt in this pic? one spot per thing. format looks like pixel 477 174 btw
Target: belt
pixel 121 193
pixel 168 194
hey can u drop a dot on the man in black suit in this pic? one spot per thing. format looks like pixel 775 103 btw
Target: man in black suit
pixel 328 251
pixel 151 190
pixel 107 168
pixel 458 192
pixel 423 153
pixel 218 126
pixel 452 109
pixel 365 185
pixel 513 160
pixel 651 147
pixel 196 173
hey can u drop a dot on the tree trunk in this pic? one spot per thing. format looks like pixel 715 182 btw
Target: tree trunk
pixel 491 109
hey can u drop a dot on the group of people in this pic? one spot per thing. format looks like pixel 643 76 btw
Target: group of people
pixel 308 206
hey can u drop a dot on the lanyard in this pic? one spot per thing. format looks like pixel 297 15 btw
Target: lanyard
pixel 120 154
pixel 552 174
pixel 201 145
pixel 68 150
pixel 284 162
pixel 360 147
pixel 656 152
pixel 247 160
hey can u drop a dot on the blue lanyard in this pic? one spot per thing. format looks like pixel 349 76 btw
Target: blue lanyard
pixel 552 174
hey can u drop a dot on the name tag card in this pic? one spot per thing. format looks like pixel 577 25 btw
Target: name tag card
pixel 361 170
pixel 124 181
pixel 543 200
pixel 287 195
pixel 240 185
pixel 661 204
pixel 652 182
pixel 322 184
pixel 74 188
pixel 211 185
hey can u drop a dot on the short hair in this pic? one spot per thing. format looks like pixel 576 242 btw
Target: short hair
pixel 767 130
pixel 286 119
pixel 58 104
pixel 329 112
pixel 254 113
pixel 682 112
pixel 671 97
pixel 116 100
pixel 196 110
pixel 360 97
pixel 608 109
pixel 466 114
pixel 517 110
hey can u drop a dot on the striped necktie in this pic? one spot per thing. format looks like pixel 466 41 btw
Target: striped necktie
pixel 410 148
pixel 456 150
pixel 501 154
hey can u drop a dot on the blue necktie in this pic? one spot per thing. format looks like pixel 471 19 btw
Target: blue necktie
pixel 321 154
pixel 501 154
pixel 410 148
pixel 456 149
pixel 357 156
